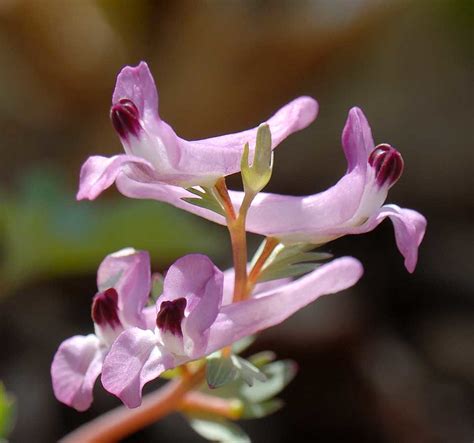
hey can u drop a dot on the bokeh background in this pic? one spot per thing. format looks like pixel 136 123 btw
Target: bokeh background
pixel 390 360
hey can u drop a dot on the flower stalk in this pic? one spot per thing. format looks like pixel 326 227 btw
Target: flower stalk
pixel 270 245
pixel 121 422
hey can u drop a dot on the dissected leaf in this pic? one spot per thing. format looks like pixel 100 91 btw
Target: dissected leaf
pixel 220 371
pixel 206 198
pixel 258 400
pixel 260 410
pixel 249 373
pixel 279 374
pixel 291 261
pixel 217 429
pixel 261 359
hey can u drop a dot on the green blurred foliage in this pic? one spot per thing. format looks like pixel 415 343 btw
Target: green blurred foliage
pixel 46 233
pixel 7 412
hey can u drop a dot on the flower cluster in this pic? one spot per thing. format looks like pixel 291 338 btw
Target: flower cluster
pixel 202 310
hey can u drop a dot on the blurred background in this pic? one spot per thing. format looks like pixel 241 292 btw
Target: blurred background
pixel 390 360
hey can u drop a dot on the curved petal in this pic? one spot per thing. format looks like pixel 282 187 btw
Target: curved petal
pixel 75 368
pixel 133 360
pixel 195 278
pixel 137 84
pixel 201 162
pixel 357 140
pixel 98 173
pixel 128 271
pixel 289 218
pixel 250 316
pixel 163 192
pixel 220 156
pixel 409 226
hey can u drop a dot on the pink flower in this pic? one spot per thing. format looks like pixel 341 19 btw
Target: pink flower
pixel 354 205
pixel 192 321
pixel 123 280
pixel 155 154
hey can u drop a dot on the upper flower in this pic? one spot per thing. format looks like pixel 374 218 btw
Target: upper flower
pixel 123 280
pixel 154 153
pixel 354 205
pixel 193 320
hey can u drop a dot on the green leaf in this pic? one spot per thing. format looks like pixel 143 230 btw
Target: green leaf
pixel 262 358
pixel 220 371
pixel 260 410
pixel 257 175
pixel 217 429
pixel 206 199
pixel 258 400
pixel 291 261
pixel 247 371
pixel 223 370
pixel 278 272
pixel 279 374
pixel 7 412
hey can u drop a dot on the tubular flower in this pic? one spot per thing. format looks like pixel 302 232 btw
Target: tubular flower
pixel 354 205
pixel 155 154
pixel 123 280
pixel 192 320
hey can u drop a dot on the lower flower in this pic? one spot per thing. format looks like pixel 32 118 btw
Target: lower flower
pixel 192 321
pixel 123 280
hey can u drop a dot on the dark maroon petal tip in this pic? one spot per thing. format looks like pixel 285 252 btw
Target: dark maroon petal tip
pixel 125 118
pixel 388 164
pixel 105 309
pixel 171 315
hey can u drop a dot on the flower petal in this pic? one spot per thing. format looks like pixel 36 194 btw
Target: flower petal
pixel 163 192
pixel 238 320
pixel 409 225
pixel 128 271
pixel 195 278
pixel 201 162
pixel 357 140
pixel 133 360
pixel 224 153
pixel 98 173
pixel 228 291
pixel 137 84
pixel 76 365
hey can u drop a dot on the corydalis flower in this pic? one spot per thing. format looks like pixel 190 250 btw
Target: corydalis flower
pixel 354 205
pixel 192 321
pixel 123 280
pixel 154 153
